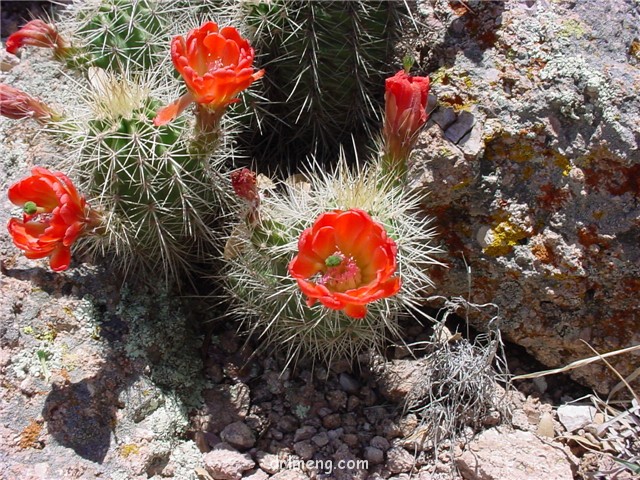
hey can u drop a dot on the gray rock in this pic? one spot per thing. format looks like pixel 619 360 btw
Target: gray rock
pixel 575 417
pixel 516 455
pixel 374 455
pixel 399 460
pixel 443 117
pixel 548 172
pixel 238 435
pixel 349 384
pixel 225 463
pixel 461 127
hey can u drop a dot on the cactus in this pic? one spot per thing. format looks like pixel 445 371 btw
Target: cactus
pixel 114 34
pixel 158 193
pixel 325 62
pixel 266 295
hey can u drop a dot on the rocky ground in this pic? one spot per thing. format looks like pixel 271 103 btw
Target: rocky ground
pixel 104 377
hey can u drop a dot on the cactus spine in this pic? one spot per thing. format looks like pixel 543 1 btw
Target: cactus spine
pixel 325 64
pixel 118 34
pixel 158 194
pixel 268 297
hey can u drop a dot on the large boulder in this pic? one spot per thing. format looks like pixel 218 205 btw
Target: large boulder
pixel 531 160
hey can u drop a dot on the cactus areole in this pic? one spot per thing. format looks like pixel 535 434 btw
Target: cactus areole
pixel 345 261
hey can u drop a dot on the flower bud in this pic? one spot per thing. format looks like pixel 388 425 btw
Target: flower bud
pixel 37 33
pixel 16 104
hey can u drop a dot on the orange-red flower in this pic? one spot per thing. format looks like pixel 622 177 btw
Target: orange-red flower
pixel 37 33
pixel 405 113
pixel 55 215
pixel 216 65
pixel 17 104
pixel 345 261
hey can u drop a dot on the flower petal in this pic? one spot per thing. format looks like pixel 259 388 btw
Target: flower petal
pixel 171 111
pixel 60 258
pixel 355 311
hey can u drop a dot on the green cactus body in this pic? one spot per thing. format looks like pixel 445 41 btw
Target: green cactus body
pixel 113 34
pixel 269 299
pixel 159 195
pixel 325 64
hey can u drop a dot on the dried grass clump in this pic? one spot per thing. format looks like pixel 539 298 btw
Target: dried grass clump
pixel 459 391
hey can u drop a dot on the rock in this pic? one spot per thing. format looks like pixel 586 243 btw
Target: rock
pixel 380 443
pixel 373 455
pixel 545 426
pixel 444 117
pixel 461 127
pixel 238 435
pixel 226 404
pixel 305 449
pixel 304 433
pixel 321 439
pixel 268 462
pixel 516 455
pixel 256 474
pixel 397 378
pixel 225 463
pixel 575 417
pixel 544 155
pixel 349 384
pixel 332 421
pixel 7 60
pixel 399 460
pixel 337 400
pixel 290 475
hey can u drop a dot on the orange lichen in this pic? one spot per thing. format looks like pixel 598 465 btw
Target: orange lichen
pixel 542 253
pixel 552 197
pixel 520 148
pixel 613 177
pixel 604 171
pixel 589 236
pixel 29 436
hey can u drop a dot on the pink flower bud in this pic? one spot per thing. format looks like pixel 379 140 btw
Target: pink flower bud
pixel 37 33
pixel 17 104
pixel 405 114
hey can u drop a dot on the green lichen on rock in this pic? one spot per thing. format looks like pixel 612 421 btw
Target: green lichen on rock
pixel 159 334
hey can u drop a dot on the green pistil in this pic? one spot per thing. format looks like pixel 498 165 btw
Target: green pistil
pixel 30 208
pixel 333 261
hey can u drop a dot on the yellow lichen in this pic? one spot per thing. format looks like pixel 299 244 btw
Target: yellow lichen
pixel 572 28
pixel 504 236
pixel 564 163
pixel 129 449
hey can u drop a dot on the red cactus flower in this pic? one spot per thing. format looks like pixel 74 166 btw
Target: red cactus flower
pixel 17 104
pixel 345 261
pixel 216 65
pixel 405 113
pixel 37 33
pixel 55 215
